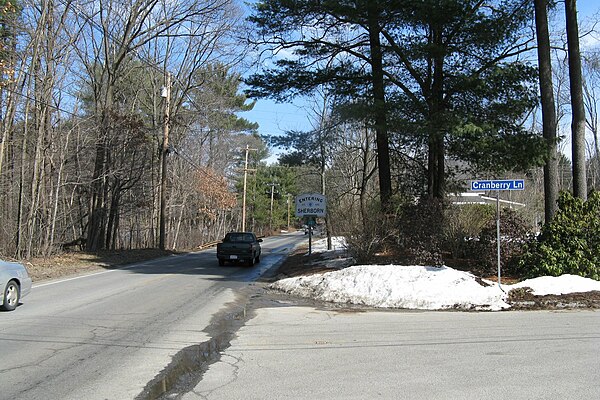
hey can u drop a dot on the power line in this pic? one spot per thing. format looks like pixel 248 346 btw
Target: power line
pixel 120 43
pixel 187 158
pixel 40 102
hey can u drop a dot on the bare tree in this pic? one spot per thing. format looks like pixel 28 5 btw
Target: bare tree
pixel 33 120
pixel 354 166
pixel 79 135
pixel 185 34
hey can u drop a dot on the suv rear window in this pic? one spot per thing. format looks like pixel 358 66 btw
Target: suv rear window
pixel 239 237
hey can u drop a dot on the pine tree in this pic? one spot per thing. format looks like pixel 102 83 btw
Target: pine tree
pixel 451 86
pixel 577 106
pixel 548 109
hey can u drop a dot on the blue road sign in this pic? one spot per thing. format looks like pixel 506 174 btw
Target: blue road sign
pixel 482 186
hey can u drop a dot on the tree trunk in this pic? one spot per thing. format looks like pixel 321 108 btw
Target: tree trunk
pixel 9 105
pixel 577 106
pixel 437 152
pixel 97 215
pixel 37 176
pixel 21 197
pixel 113 216
pixel 548 109
pixel 381 129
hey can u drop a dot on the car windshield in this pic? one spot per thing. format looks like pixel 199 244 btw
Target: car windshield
pixel 240 237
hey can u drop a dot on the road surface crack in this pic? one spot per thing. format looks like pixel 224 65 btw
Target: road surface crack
pixel 188 366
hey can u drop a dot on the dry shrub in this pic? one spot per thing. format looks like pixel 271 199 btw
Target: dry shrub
pixel 462 226
pixel 514 234
pixel 365 241
pixel 420 227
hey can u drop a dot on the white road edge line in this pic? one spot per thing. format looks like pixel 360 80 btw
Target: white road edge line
pixel 73 278
pixel 85 275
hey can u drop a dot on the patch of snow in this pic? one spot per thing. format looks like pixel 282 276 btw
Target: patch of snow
pixel 394 286
pixel 417 287
pixel 558 284
pixel 338 243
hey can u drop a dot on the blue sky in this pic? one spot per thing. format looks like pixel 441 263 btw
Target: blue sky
pixel 275 119
pixel 278 118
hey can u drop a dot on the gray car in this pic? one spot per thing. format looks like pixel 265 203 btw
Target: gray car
pixel 15 283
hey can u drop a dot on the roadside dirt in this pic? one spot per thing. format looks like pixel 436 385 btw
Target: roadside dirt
pixel 523 299
pixel 300 263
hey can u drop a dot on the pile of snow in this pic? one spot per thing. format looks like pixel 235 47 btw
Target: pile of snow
pixel 394 286
pixel 419 287
pixel 559 285
pixel 338 243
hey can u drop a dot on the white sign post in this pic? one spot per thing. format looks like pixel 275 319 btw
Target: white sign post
pixel 498 185
pixel 311 206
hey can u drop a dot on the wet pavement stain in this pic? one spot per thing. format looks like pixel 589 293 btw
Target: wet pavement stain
pixel 185 370
pixel 187 367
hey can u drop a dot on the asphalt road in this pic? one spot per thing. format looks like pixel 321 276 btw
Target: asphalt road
pixel 106 335
pixel 308 353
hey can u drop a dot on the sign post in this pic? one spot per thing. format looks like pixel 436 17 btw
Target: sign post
pixel 498 185
pixel 311 206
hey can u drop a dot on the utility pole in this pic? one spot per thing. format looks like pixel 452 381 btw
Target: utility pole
pixel 272 184
pixel 166 94
pixel 289 203
pixel 248 149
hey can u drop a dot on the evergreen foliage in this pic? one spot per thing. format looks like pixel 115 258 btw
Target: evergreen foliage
pixel 453 85
pixel 217 90
pixel 258 201
pixel 570 243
